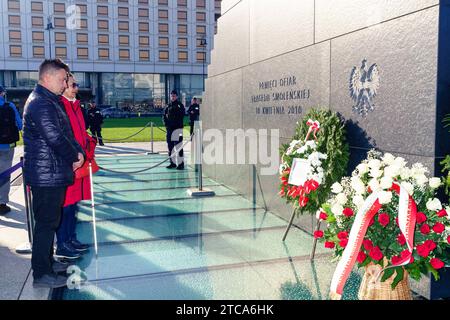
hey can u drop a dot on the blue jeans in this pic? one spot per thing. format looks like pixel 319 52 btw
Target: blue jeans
pixel 66 231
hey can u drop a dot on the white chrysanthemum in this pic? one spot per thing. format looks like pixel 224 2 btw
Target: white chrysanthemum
pixel 435 182
pixel 376 173
pixel 434 204
pixel 336 188
pixel 400 162
pixel 374 185
pixel 386 183
pixel 385 197
pixel 311 143
pixel 421 180
pixel 341 198
pixel 374 164
pixel 337 209
pixel 408 187
pixel 388 159
pixel 358 201
pixel 358 185
pixel 392 171
pixel 405 173
pixel 362 168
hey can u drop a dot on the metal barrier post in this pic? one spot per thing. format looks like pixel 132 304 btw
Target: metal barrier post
pixel 200 191
pixel 94 222
pixel 151 139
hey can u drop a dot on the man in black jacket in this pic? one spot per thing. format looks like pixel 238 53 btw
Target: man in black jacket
pixel 194 113
pixel 51 154
pixel 173 120
pixel 95 120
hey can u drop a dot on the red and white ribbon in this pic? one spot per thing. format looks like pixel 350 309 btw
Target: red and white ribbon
pixel 314 127
pixel 406 221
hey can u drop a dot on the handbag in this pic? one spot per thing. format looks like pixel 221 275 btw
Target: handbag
pixel 83 171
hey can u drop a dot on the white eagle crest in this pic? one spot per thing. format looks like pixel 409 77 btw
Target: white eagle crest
pixel 363 87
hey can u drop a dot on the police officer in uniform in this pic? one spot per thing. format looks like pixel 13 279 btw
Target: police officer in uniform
pixel 173 120
pixel 95 120
pixel 194 113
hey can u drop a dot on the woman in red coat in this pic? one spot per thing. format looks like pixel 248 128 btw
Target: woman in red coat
pixel 68 245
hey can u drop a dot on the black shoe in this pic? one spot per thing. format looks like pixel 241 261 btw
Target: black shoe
pixel 4 209
pixel 80 247
pixel 102 144
pixel 180 167
pixel 172 165
pixel 50 281
pixel 59 266
pixel 66 251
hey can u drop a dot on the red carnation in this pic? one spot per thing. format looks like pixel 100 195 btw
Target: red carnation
pixel 368 244
pixel 318 234
pixel 401 239
pixel 430 244
pixel 442 213
pixel 329 245
pixel 438 227
pixel 383 219
pixel 421 217
pixel 423 251
pixel 323 216
pixel 348 212
pixel 436 263
pixel 376 254
pixel 342 235
pixel 343 243
pixel 395 260
pixel 425 229
pixel 405 253
pixel 361 257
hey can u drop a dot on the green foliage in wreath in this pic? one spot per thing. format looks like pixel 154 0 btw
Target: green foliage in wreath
pixel 331 141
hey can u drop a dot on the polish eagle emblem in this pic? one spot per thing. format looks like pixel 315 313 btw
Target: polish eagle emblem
pixel 364 85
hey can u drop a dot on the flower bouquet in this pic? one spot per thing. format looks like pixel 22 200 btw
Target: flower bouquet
pixel 386 215
pixel 319 143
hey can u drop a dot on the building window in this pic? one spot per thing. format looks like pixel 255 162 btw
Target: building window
pixel 59 8
pixel 38 51
pixel 201 56
pixel 163 55
pixel 15 36
pixel 144 55
pixel 14 20
pixel 61 52
pixel 163 14
pixel 37 7
pixel 162 2
pixel 201 16
pixel 142 13
pixel 143 1
pixel 201 4
pixel 103 39
pixel 124 40
pixel 123 26
pixel 217 4
pixel 102 10
pixel 37 22
pixel 182 42
pixel 123 12
pixel 143 26
pixel 124 54
pixel 82 53
pixel 201 29
pixel 182 56
pixel 83 23
pixel 14 5
pixel 144 41
pixel 83 8
pixel 163 42
pixel 182 3
pixel 82 38
pixel 163 28
pixel 182 15
pixel 38 36
pixel 60 37
pixel 123 1
pixel 60 22
pixel 182 29
pixel 102 24
pixel 15 51
pixel 103 53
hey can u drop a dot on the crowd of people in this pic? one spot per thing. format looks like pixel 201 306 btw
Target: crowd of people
pixel 56 145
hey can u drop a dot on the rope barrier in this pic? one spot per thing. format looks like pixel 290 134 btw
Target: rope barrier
pixel 6 175
pixel 149 168
pixel 123 139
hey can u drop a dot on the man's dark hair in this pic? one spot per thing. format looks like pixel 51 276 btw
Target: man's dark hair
pixel 50 66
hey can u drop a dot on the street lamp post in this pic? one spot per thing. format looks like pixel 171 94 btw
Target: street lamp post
pixel 203 44
pixel 49 28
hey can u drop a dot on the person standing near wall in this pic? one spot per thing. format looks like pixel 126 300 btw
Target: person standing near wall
pixel 10 125
pixel 173 120
pixel 95 119
pixel 194 113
